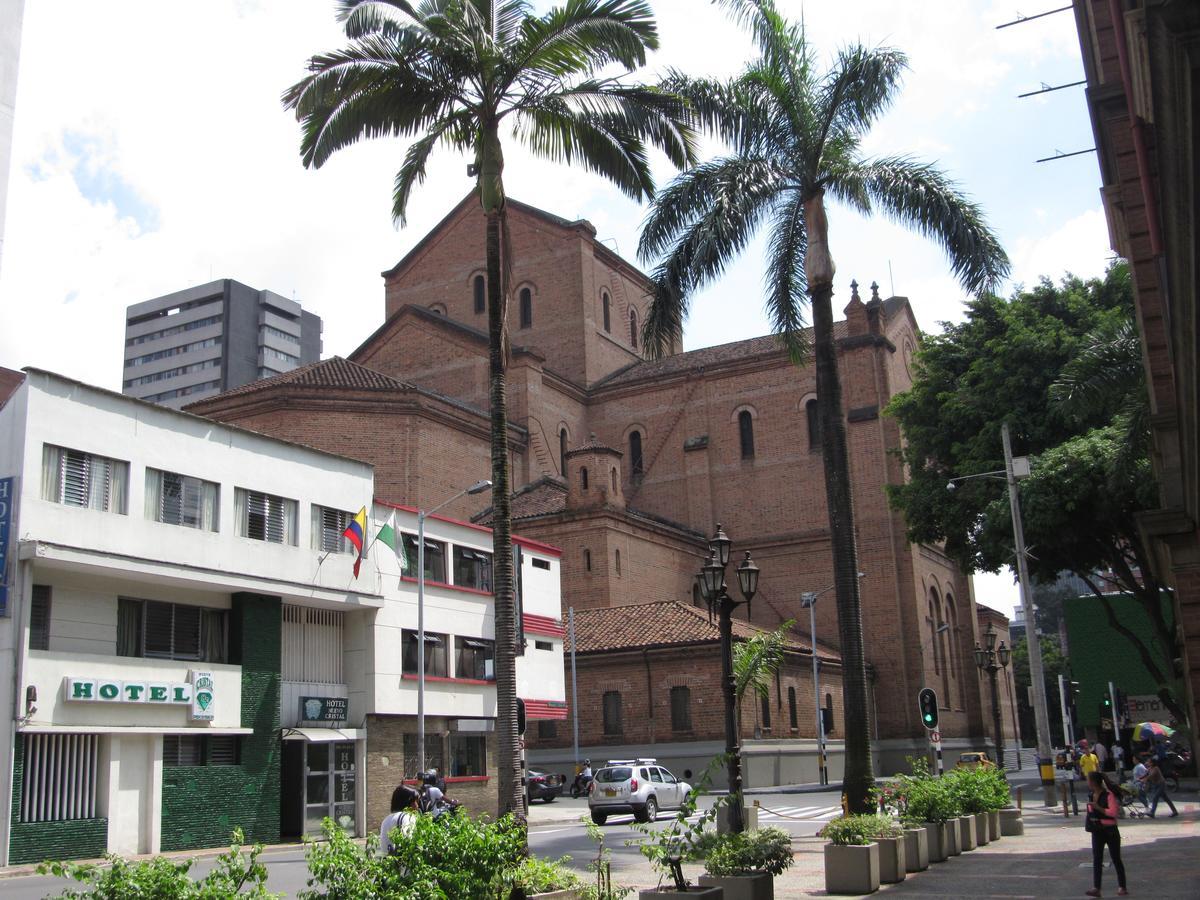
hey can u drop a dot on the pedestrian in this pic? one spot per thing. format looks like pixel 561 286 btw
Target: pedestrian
pixel 1158 789
pixel 1101 756
pixel 1141 772
pixel 1088 763
pixel 405 809
pixel 1101 821
pixel 1118 756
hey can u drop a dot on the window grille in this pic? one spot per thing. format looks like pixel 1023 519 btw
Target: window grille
pixel 223 750
pixel 59 778
pixel 312 645
pixel 434 753
pixel 263 517
pixel 75 478
pixel 39 618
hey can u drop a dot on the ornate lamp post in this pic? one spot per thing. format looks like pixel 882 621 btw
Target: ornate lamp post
pixel 991 659
pixel 714 589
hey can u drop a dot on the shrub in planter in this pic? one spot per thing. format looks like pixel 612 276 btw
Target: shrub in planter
pixel 745 864
pixel 533 877
pixel 889 835
pixel 852 855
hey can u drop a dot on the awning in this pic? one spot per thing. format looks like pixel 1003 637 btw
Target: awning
pixel 322 735
pixel 545 709
pixel 129 729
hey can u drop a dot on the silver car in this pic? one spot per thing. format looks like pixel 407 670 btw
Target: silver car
pixel 638 786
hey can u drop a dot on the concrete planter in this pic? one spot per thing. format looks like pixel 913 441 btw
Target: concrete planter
pixel 1011 823
pixel 851 869
pixel 993 817
pixel 756 886
pixel 916 849
pixel 953 845
pixel 966 833
pixel 939 841
pixel 891 860
pixel 707 893
pixel 982 830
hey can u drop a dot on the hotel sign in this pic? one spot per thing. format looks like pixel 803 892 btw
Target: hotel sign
pixel 198 693
pixel 324 709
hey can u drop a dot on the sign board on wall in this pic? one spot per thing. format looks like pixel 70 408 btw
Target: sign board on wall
pixel 1144 708
pixel 199 692
pixel 8 499
pixel 324 709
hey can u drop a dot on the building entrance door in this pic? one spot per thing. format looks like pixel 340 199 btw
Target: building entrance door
pixel 329 785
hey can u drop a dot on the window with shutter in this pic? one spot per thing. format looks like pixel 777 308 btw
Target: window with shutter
pixel 75 478
pixel 158 624
pixel 328 525
pixel 264 517
pixel 186 632
pixel 39 618
pixel 159 630
pixel 182 750
pixel 222 750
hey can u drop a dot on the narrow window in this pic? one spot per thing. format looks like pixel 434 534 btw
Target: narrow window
pixel 541 564
pixel 696 599
pixel 587 560
pixel 480 289
pixel 635 454
pixel 583 479
pixel 814 425
pixel 562 452
pixel 681 709
pixel 746 433
pixel 614 479
pixel 793 720
pixel 633 328
pixel 766 712
pixel 39 618
pixel 618 561
pixel 474 658
pixel 526 307
pixel 607 311
pixel 612 712
pixel 827 714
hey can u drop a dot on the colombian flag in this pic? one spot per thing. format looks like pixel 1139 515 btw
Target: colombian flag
pixel 356 533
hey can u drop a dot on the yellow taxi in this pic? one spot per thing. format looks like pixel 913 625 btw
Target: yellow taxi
pixel 973 760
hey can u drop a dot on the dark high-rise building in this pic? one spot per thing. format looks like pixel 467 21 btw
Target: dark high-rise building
pixel 198 342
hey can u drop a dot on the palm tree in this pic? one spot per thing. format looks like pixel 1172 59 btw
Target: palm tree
pixel 794 133
pixel 756 661
pixel 452 73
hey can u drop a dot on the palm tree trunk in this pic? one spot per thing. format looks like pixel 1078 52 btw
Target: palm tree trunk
pixel 508 761
pixel 859 777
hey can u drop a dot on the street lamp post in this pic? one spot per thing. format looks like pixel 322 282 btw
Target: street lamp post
pixel 991 659
pixel 1014 468
pixel 808 600
pixel 477 488
pixel 716 593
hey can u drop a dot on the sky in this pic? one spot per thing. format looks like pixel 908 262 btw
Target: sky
pixel 151 153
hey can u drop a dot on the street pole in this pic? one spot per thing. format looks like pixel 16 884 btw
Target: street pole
pixel 1036 671
pixel 574 693
pixel 1066 716
pixel 732 748
pixel 810 600
pixel 1016 720
pixel 992 669
pixel 420 642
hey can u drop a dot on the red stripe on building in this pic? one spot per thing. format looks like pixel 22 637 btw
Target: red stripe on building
pixel 543 625
pixel 545 709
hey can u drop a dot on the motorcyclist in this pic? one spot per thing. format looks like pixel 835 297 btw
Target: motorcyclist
pixel 583 779
pixel 433 798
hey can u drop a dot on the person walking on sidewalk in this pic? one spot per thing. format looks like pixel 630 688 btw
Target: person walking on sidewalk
pixel 1088 763
pixel 1118 757
pixel 1158 788
pixel 1101 821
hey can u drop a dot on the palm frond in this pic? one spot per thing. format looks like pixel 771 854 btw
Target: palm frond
pixel 922 197
pixel 584 36
pixel 1104 376
pixel 454 130
pixel 861 86
pixel 785 281
pixel 757 660
pixel 363 17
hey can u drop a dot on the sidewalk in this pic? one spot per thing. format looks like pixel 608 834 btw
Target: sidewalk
pixel 1052 859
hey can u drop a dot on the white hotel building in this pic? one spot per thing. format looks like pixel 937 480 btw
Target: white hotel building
pixel 184 648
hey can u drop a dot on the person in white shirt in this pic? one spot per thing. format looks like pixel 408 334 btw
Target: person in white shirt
pixel 1101 755
pixel 1140 774
pixel 1118 757
pixel 405 809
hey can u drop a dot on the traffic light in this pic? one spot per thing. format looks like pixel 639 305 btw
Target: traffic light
pixel 927 702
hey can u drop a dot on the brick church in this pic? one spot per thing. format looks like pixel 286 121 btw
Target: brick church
pixel 627 464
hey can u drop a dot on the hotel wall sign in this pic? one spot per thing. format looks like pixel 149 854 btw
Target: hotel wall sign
pixel 324 709
pixel 199 693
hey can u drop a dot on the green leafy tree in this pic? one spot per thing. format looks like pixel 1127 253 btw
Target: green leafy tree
pixel 1053 665
pixel 456 74
pixel 1026 361
pixel 794 132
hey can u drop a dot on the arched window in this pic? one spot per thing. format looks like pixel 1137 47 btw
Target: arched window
pixel 614 479
pixel 697 600
pixel 607 304
pixel 635 454
pixel 793 718
pixel 766 712
pixel 587 559
pixel 612 712
pixel 562 451
pixel 617 558
pixel 829 713
pixel 583 481
pixel 526 307
pixel 633 328
pixel 934 637
pixel 814 425
pixel 746 433
pixel 681 708
pixel 480 287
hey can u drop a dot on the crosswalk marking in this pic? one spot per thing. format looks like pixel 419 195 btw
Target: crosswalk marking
pixel 800 812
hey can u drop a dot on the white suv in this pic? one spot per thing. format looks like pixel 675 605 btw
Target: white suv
pixel 638 786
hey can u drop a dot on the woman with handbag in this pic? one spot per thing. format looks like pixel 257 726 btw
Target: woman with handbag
pixel 1101 823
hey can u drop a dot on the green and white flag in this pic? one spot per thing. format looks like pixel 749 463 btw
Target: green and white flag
pixel 390 536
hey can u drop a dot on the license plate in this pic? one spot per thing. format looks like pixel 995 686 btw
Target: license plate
pixel 609 792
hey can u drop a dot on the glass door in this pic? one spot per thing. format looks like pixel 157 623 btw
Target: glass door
pixel 329 785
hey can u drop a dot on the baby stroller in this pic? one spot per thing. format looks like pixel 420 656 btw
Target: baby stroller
pixel 1133 805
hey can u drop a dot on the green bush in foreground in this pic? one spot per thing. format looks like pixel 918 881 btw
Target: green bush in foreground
pixel 765 850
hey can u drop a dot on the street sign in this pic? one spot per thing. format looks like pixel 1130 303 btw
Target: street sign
pixel 935 736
